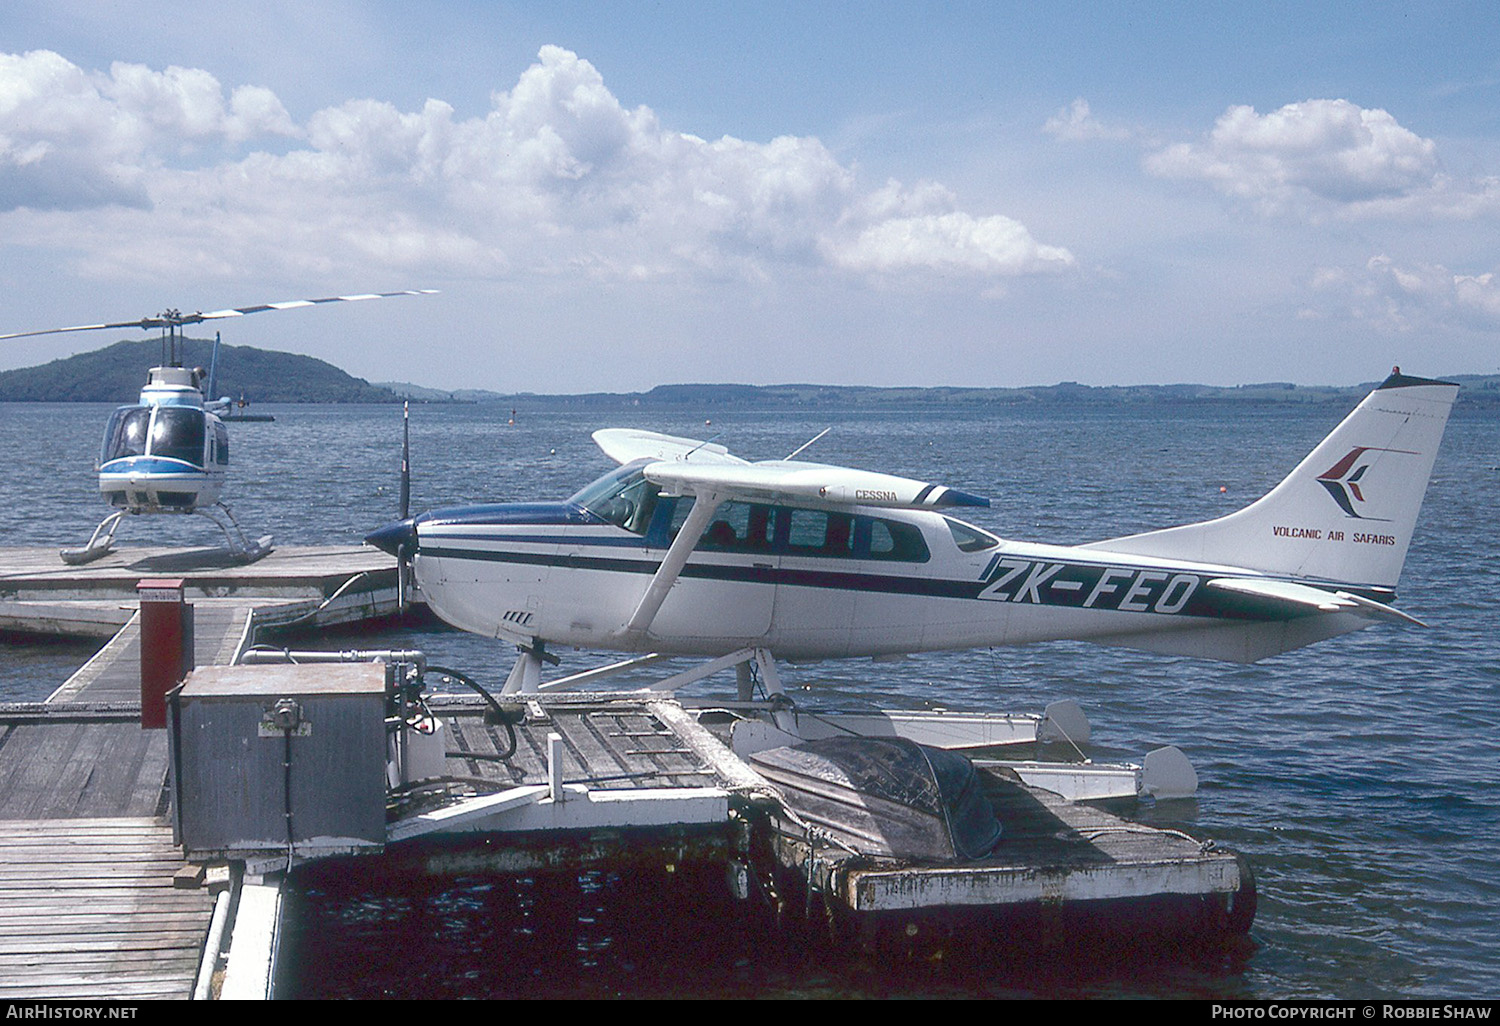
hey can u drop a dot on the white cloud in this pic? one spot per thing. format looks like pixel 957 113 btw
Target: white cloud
pixel 556 179
pixel 953 241
pixel 1401 298
pixel 1321 155
pixel 71 139
pixel 1076 123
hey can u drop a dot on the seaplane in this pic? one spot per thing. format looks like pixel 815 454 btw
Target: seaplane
pixel 169 452
pixel 686 549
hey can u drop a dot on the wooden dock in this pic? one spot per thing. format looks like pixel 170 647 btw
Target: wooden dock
pixel 321 585
pixel 88 911
pixel 92 902
pixel 88 906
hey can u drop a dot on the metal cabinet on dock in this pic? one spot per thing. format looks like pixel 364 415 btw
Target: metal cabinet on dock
pixel 270 757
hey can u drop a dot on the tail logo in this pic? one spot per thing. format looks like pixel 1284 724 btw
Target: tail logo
pixel 1342 480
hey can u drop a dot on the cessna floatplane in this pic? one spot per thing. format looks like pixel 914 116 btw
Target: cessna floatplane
pixel 686 549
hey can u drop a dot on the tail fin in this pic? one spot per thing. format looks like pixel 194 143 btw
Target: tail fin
pixel 1346 514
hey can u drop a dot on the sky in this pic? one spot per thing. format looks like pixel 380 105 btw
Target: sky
pixel 612 196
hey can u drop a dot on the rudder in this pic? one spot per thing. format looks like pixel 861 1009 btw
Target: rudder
pixel 1346 513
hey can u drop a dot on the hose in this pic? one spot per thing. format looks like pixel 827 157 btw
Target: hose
pixel 503 716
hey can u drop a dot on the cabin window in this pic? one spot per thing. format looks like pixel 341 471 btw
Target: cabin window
pixel 755 528
pixel 623 497
pixel 814 532
pixel 177 433
pixel 221 436
pixel 892 539
pixel 735 527
pixel 126 433
pixel 971 539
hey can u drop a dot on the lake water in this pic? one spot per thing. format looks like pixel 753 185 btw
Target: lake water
pixel 1357 775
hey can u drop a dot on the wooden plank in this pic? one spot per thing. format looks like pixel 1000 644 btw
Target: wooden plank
pixel 121 920
pixel 84 989
pixel 144 826
pixel 66 770
pixel 163 941
pixel 593 756
pixel 38 760
pixel 119 647
pixel 76 923
pixel 25 904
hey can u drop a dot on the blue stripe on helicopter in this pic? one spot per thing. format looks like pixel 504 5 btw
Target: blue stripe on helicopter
pixel 151 465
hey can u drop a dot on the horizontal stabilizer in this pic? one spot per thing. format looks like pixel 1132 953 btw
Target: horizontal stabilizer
pixel 1287 598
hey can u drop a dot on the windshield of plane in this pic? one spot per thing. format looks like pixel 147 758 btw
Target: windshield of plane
pixel 623 497
pixel 970 539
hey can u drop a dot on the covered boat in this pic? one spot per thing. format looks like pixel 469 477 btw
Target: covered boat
pixel 886 796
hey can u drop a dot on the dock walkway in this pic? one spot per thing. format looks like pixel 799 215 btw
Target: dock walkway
pixel 88 907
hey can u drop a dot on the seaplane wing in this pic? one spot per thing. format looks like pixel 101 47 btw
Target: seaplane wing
pixel 626 445
pixel 686 466
pixel 685 548
pixel 785 481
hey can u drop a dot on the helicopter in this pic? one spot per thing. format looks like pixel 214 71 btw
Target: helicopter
pixel 169 451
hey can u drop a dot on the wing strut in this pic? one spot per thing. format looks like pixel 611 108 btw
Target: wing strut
pixel 705 505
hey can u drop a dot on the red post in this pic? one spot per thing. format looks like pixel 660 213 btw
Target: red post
pixel 166 645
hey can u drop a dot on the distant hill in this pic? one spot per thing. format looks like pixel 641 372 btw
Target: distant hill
pixel 115 375
pixel 1476 389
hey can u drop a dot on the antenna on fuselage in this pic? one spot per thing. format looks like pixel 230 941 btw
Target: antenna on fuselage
pixel 810 441
pixel 689 454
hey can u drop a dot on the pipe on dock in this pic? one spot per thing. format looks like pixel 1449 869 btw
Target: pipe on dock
pixel 203 988
pixel 262 655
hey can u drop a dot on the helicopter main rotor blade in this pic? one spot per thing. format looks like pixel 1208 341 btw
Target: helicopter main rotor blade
pixel 173 318
pixel 294 304
pixel 145 325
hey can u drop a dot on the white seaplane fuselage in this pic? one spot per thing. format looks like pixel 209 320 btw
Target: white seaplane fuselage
pixel 810 562
pixel 565 575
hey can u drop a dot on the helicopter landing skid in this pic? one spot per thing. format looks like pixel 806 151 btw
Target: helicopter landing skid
pixel 241 548
pixel 97 546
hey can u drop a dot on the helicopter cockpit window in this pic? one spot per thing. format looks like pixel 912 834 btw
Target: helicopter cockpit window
pixel 221 435
pixel 126 433
pixel 623 497
pixel 177 434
